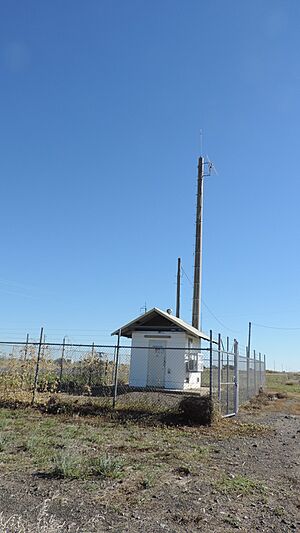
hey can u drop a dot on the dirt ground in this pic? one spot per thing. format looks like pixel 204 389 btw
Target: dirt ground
pixel 241 474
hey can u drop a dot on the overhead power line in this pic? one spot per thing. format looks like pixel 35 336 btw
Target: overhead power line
pixel 208 309
pixel 275 327
pixel 219 321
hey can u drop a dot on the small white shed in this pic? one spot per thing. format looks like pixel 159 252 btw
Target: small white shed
pixel 165 351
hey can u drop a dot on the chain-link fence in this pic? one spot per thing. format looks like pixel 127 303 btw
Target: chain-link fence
pixel 251 374
pixel 152 378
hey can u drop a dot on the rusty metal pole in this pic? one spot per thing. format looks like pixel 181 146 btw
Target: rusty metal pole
pixel 196 315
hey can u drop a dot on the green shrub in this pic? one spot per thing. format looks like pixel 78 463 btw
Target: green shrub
pixel 106 466
pixel 67 465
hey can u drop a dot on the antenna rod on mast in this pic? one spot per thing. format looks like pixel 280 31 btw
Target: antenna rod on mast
pixel 196 316
pixel 178 288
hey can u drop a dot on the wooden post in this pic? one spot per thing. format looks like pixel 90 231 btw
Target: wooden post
pixel 37 367
pixel 116 370
pixel 196 316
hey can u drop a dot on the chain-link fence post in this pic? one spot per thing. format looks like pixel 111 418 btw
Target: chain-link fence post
pixel 211 364
pixel 260 372
pixel 248 372
pixel 248 354
pixel 219 367
pixel 227 376
pixel 90 370
pixel 113 365
pixel 116 370
pixel 236 376
pixel 26 347
pixel 254 370
pixel 62 363
pixel 37 367
pixel 24 360
pixel 264 373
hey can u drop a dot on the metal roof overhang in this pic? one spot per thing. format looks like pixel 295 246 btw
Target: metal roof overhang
pixel 164 322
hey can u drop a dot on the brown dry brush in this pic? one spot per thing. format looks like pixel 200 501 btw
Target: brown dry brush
pixel 200 410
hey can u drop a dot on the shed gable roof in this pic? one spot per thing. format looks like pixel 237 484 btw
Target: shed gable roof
pixel 156 318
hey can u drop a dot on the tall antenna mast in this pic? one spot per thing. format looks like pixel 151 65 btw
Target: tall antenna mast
pixel 178 288
pixel 196 316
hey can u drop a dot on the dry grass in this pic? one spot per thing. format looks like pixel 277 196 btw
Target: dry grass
pixel 201 410
pixel 45 523
pixel 98 450
pixel 128 466
pixel 288 382
pixel 149 403
pixel 283 389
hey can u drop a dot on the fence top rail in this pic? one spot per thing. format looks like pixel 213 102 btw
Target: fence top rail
pixel 92 345
pixel 242 358
pixel 36 343
pixel 245 358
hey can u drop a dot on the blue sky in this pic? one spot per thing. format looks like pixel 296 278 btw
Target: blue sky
pixel 102 103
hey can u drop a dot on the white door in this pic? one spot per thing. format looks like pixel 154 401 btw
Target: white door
pixel 156 363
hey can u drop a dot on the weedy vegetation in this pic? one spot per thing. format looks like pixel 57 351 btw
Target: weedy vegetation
pixel 136 460
pixel 286 382
pixel 70 464
pixel 67 465
pixel 106 466
pixel 241 485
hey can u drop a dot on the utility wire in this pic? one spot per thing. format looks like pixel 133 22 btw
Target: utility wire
pixel 275 327
pixel 235 331
pixel 216 318
pixel 208 309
